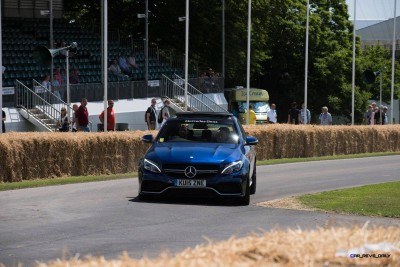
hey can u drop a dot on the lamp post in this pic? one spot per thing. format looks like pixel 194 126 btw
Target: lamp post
pixel 306 66
pixel 45 56
pixel 353 81
pixel 146 42
pixel 105 59
pixel 223 39
pixel 248 62
pixel 51 37
pixel 1 77
pixel 393 60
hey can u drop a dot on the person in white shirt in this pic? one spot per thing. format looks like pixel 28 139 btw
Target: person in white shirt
pixel 272 116
pixel 305 117
pixel 325 117
pixel 165 112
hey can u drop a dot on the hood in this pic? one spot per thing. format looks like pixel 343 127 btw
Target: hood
pixel 194 152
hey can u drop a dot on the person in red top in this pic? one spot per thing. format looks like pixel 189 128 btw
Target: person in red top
pixel 110 116
pixel 82 117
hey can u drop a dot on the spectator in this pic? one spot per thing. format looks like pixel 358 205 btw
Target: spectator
pixel 82 117
pixel 325 117
pixel 305 115
pixel 367 116
pixel 63 121
pixel 110 116
pixel 58 80
pixel 115 69
pixel 3 119
pixel 123 64
pixel 3 69
pixel 252 115
pixel 165 111
pixel 271 115
pixel 74 79
pixel 294 114
pixel 46 82
pixel 132 61
pixel 74 127
pixel 384 115
pixel 150 115
pixel 377 116
pixel 373 118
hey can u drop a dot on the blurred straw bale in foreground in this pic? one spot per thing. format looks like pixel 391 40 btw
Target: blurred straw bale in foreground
pixel 321 247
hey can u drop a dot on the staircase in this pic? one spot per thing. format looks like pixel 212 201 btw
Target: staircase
pixel 39 106
pixel 174 91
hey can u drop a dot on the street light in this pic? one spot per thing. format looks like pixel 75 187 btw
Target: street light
pixel 45 56
pixel 186 19
pixel 146 42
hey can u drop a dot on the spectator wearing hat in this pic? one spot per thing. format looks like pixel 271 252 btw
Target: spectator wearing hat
pixel 63 121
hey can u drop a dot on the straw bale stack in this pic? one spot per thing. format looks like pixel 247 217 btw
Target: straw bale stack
pixel 320 247
pixel 26 156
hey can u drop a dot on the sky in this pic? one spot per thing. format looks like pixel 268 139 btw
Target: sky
pixel 373 9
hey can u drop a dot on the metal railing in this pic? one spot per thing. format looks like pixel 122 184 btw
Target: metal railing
pixel 174 91
pixel 35 105
pixel 116 90
pixel 199 95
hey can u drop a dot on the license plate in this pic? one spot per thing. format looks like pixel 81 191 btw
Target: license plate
pixel 190 183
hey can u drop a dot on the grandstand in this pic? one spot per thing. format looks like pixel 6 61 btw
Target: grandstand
pixel 22 35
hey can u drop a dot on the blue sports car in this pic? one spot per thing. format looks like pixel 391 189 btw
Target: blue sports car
pixel 198 153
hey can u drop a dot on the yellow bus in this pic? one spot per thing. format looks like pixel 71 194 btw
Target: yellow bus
pixel 237 103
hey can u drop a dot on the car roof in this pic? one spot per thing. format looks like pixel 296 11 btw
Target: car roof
pixel 204 115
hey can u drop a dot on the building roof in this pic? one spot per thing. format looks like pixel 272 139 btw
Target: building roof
pixel 382 31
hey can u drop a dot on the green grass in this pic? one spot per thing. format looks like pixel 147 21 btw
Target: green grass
pixel 63 180
pixel 85 179
pixel 370 200
pixel 352 156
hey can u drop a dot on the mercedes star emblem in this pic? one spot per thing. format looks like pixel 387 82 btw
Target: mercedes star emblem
pixel 190 172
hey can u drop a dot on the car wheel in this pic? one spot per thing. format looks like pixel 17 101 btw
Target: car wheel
pixel 245 200
pixel 253 186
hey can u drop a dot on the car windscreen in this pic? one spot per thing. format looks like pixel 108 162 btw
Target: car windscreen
pixel 198 130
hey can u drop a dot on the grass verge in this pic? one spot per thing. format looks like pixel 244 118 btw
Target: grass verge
pixel 370 200
pixel 351 156
pixel 85 179
pixel 64 180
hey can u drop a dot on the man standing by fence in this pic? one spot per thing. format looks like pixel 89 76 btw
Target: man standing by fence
pixel 82 117
pixel 150 115
pixel 110 116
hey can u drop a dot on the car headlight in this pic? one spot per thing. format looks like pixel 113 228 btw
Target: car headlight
pixel 233 167
pixel 151 166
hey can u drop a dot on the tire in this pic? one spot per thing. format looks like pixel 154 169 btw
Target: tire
pixel 253 186
pixel 245 200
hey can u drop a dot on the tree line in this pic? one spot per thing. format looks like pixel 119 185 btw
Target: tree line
pixel 277 46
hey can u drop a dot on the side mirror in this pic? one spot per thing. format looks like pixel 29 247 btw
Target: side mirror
pixel 251 140
pixel 148 138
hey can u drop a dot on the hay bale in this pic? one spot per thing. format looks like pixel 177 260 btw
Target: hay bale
pixel 26 156
pixel 320 247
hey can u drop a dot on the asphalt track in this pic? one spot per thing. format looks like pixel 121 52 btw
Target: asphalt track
pixel 105 218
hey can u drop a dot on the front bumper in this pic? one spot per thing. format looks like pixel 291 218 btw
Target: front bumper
pixel 233 185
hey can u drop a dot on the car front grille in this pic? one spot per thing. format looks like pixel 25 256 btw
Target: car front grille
pixel 202 171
